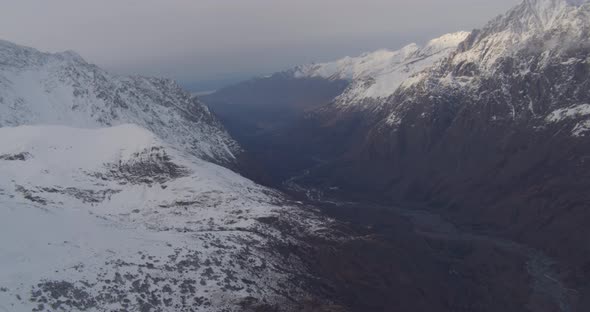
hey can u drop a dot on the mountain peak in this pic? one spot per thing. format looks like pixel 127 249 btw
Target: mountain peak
pixel 450 39
pixel 63 89
pixel 546 12
pixel 17 56
pixel 72 55
pixel 444 42
pixel 558 2
pixel 543 6
pixel 530 22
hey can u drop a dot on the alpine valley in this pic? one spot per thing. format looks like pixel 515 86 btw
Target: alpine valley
pixel 488 130
pixel 451 175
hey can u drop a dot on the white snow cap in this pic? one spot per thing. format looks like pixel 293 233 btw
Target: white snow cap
pixel 548 10
pixel 372 64
pixel 378 75
pixel 553 3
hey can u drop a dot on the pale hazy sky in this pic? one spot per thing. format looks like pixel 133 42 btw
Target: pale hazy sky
pixel 199 40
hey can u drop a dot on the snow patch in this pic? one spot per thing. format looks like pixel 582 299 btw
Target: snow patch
pixel 581 128
pixel 572 112
pixel 393 120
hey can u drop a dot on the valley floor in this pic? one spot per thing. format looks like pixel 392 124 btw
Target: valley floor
pixel 409 259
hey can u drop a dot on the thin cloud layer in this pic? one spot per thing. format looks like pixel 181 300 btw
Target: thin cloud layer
pixel 197 40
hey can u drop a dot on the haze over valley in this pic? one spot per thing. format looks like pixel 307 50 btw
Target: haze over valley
pixel 211 156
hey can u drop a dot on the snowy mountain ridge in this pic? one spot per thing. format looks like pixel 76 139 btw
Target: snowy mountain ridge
pixel 370 92
pixel 17 56
pixel 526 26
pixel 540 43
pixel 63 89
pixel 377 74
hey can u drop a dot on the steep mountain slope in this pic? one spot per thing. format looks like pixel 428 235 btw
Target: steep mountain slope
pixel 110 199
pixel 495 136
pixel 530 61
pixel 116 219
pixel 526 70
pixel 63 89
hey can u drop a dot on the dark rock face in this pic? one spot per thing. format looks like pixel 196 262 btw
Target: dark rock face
pixel 150 166
pixel 15 157
pixel 485 153
pixel 510 182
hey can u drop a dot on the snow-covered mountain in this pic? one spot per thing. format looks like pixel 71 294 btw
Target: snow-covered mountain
pixel 116 219
pixel 63 89
pixel 113 197
pixel 525 66
pixel 377 75
pixel 496 135
pixel 548 25
pixel 108 199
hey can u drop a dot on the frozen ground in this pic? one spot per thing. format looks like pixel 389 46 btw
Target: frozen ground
pixel 115 219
